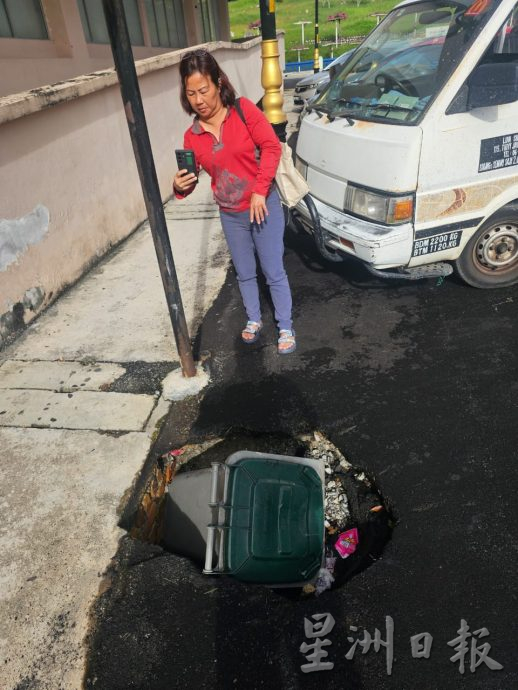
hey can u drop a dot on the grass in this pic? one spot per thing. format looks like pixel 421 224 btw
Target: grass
pixel 358 22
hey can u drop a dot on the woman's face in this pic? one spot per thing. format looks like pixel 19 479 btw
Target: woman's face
pixel 203 95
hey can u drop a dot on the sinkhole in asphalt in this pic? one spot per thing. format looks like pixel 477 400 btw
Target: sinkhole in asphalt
pixel 351 502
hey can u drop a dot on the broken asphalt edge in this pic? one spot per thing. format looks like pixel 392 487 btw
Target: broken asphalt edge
pixel 133 497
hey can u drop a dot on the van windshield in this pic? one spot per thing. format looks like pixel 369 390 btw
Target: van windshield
pixel 400 67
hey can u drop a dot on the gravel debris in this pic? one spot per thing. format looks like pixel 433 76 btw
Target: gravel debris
pixel 336 505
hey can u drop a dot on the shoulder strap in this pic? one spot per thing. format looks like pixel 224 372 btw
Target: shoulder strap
pixel 239 110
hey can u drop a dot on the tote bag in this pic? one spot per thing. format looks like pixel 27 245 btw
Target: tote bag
pixel 292 187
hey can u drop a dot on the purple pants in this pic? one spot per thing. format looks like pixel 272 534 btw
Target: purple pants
pixel 245 240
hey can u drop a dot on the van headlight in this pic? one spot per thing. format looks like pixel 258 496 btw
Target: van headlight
pixel 379 206
pixel 301 167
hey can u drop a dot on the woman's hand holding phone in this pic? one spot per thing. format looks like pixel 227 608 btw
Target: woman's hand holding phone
pixel 184 181
pixel 187 174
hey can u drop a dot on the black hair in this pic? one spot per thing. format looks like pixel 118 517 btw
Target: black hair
pixel 202 61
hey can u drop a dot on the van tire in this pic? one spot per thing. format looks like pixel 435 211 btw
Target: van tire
pixel 490 258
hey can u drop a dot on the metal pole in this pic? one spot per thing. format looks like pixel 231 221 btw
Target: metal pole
pixel 316 60
pixel 126 72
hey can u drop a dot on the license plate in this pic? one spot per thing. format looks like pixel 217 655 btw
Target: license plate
pixel 437 243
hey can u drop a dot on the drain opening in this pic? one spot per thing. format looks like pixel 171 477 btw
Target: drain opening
pixel 351 502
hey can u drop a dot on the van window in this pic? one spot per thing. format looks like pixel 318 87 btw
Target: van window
pixel 506 41
pixel 502 52
pixel 400 67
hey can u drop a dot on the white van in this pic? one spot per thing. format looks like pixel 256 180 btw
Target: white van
pixel 411 153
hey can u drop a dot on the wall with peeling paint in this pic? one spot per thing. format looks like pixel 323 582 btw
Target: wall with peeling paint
pixel 73 190
pixel 18 234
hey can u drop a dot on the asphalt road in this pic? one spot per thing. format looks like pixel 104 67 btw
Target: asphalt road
pixel 416 383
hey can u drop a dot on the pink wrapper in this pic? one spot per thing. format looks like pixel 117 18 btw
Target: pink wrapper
pixel 347 542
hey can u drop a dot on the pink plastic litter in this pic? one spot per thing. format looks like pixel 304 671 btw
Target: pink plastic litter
pixel 176 452
pixel 347 542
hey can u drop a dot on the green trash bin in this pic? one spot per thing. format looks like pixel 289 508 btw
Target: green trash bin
pixel 268 527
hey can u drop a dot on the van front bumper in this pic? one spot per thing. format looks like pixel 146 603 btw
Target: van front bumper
pixel 380 245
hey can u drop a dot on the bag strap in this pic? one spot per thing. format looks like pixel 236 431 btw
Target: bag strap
pixel 239 110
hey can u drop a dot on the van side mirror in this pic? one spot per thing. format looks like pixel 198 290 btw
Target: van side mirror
pixel 493 84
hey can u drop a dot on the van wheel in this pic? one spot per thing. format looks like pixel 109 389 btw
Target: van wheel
pixel 490 259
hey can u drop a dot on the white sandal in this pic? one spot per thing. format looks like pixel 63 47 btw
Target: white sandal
pixel 286 337
pixel 252 328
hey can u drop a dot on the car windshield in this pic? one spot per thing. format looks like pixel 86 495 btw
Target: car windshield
pixel 397 71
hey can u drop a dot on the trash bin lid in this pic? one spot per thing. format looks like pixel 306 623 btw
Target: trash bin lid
pixel 276 521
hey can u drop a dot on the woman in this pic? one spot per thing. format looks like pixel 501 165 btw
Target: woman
pixel 250 210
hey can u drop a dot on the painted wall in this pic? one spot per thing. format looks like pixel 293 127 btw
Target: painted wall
pixel 27 64
pixel 70 187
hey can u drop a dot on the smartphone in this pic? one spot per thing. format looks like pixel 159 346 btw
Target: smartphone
pixel 186 160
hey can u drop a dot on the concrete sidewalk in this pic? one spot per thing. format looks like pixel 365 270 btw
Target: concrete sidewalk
pixel 80 398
